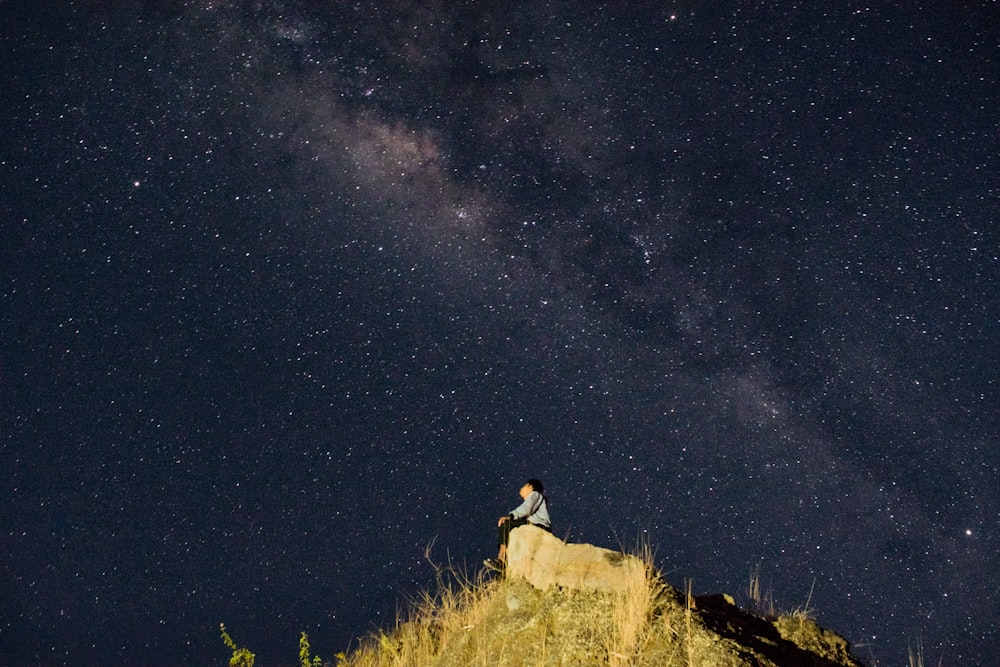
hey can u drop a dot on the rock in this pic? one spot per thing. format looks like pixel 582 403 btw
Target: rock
pixel 809 636
pixel 545 560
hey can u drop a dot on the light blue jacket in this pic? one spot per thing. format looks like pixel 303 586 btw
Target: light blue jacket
pixel 535 508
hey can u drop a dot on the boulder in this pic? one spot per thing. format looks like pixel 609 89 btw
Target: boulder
pixel 544 560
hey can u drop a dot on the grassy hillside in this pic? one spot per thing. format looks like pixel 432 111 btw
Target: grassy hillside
pixel 496 621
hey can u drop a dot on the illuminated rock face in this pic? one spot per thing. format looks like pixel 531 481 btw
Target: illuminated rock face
pixel 545 560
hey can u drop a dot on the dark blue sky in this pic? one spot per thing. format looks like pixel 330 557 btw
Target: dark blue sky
pixel 288 293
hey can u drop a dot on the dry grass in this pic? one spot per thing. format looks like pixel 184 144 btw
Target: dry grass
pixel 806 612
pixel 688 608
pixel 458 604
pixel 633 611
pixel 916 655
pixel 475 621
pixel 761 600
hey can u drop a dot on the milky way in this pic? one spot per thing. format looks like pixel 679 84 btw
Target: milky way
pixel 290 293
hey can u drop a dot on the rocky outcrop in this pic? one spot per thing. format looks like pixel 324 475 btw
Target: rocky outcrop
pixel 545 560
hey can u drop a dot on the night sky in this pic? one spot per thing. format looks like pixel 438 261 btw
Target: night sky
pixel 289 290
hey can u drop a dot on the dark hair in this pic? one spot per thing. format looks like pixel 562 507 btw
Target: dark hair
pixel 536 485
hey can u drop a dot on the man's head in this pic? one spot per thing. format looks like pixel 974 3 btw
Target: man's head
pixel 532 485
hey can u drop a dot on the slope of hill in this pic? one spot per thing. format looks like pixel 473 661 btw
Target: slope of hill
pixel 505 620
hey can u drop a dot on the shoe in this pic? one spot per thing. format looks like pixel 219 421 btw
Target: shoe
pixel 494 564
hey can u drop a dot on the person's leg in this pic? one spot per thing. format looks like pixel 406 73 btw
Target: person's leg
pixel 503 536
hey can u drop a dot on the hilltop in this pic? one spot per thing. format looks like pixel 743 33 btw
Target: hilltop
pixel 580 605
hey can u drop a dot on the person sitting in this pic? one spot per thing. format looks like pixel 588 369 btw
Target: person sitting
pixel 534 510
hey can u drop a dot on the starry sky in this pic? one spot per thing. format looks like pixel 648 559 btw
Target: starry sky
pixel 290 290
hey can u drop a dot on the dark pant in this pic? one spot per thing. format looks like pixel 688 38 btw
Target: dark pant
pixel 503 532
